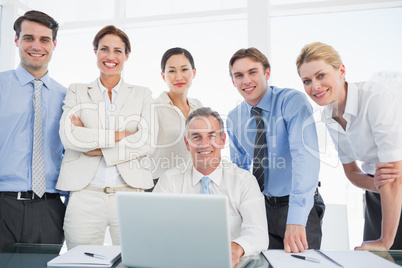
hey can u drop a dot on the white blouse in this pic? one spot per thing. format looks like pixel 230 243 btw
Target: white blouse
pixel 374 126
pixel 170 150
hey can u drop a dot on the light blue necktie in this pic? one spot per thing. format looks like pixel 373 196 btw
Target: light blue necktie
pixel 206 181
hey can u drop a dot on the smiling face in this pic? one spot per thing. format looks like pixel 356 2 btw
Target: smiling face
pixel 36 47
pixel 111 56
pixel 323 83
pixel 250 79
pixel 204 141
pixel 178 74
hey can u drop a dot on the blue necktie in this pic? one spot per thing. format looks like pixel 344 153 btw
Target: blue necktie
pixel 206 181
pixel 259 148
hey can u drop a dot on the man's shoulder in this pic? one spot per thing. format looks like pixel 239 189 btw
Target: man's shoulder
pixel 289 99
pixel 6 75
pixel 57 86
pixel 286 93
pixel 236 110
pixel 177 172
pixel 242 179
pixel 232 169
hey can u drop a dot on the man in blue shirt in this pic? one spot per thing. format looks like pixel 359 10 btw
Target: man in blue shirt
pixel 288 163
pixel 28 97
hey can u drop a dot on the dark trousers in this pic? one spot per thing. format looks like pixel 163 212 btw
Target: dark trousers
pixel 277 214
pixel 150 190
pixel 31 221
pixel 373 221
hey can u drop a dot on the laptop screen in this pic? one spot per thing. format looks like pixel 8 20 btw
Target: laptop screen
pixel 174 230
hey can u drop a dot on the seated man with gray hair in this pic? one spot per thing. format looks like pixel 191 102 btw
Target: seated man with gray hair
pixel 210 174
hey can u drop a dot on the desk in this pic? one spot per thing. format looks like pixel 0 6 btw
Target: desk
pixel 37 256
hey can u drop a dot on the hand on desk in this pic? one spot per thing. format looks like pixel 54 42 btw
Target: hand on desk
pixel 295 238
pixel 384 174
pixel 237 253
pixel 374 245
pixel 385 255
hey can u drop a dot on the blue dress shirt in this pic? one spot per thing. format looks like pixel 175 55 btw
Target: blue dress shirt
pixel 16 131
pixel 293 157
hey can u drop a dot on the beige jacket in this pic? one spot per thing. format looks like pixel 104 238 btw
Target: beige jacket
pixel 131 112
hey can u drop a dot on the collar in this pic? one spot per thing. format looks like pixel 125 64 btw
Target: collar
pixel 164 98
pixel 103 89
pixel 264 104
pixel 351 107
pixel 352 100
pixel 215 176
pixel 24 77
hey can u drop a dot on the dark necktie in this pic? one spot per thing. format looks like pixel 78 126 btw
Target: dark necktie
pixel 259 147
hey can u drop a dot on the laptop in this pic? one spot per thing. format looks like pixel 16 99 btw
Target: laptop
pixel 174 230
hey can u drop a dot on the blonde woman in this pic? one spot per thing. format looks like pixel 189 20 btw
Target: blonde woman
pixel 365 122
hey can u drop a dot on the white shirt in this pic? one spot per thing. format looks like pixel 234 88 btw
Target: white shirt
pixel 107 175
pixel 374 126
pixel 248 222
pixel 171 150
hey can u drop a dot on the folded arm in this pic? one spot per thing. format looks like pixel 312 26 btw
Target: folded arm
pixel 358 178
pixel 79 138
pixel 391 204
pixel 385 173
pixel 141 142
pixel 76 121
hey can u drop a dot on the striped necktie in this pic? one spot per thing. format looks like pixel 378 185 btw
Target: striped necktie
pixel 259 148
pixel 38 165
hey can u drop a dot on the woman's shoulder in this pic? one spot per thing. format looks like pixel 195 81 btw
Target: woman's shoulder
pixel 135 87
pixel 368 87
pixel 197 103
pixel 372 91
pixel 137 91
pixel 82 86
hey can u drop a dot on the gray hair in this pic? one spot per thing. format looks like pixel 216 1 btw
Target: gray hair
pixel 205 112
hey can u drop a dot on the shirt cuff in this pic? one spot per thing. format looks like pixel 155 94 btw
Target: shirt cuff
pixel 246 247
pixel 390 156
pixel 298 215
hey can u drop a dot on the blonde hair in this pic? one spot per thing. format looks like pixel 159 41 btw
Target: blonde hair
pixel 318 51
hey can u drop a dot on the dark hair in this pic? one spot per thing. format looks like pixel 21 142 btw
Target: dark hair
pixel 204 112
pixel 176 51
pixel 39 17
pixel 252 53
pixel 111 29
